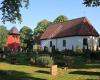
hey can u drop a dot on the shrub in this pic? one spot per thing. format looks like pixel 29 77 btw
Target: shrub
pixel 33 58
pixel 75 61
pixel 22 58
pixel 11 58
pixel 44 61
pixel 19 58
pixel 69 61
pixel 79 61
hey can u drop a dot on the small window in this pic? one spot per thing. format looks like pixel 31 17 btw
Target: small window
pixel 64 43
pixel 50 43
pixel 85 41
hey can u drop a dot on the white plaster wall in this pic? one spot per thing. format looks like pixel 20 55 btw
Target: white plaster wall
pixel 93 42
pixel 70 41
pixel 47 43
pixel 76 42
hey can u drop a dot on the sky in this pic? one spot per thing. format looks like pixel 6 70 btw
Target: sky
pixel 50 9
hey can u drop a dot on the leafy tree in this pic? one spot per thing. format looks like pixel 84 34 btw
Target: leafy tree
pixel 41 27
pixel 11 9
pixel 60 19
pixel 26 37
pixel 93 3
pixel 3 36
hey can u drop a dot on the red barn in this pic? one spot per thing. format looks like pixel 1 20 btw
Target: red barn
pixel 13 40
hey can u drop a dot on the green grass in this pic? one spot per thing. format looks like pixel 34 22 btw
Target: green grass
pixel 23 72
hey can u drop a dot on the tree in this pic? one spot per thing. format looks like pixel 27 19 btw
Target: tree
pixel 60 19
pixel 93 3
pixel 11 9
pixel 26 37
pixel 3 36
pixel 41 27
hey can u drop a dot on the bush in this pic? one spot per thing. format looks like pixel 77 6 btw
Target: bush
pixel 75 61
pixel 33 58
pixel 22 58
pixel 79 61
pixel 92 55
pixel 19 58
pixel 44 61
pixel 10 58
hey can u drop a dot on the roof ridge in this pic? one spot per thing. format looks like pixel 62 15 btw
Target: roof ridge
pixel 69 20
pixel 78 18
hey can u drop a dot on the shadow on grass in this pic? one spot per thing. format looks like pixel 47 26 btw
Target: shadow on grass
pixel 85 73
pixel 16 75
pixel 42 71
pixel 91 65
pixel 87 66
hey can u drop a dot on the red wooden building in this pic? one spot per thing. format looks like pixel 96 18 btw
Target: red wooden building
pixel 13 40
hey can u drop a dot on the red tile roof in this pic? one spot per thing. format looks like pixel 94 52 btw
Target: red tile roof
pixel 75 27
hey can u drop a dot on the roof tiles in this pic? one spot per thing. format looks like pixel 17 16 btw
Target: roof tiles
pixel 75 27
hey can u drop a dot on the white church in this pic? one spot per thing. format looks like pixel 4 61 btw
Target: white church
pixel 73 34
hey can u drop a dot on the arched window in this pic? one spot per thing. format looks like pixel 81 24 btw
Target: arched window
pixel 85 42
pixel 50 43
pixel 64 43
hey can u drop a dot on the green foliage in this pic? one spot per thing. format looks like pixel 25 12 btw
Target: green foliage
pixel 34 55
pixel 19 58
pixel 11 10
pixel 44 61
pixel 60 19
pixel 41 27
pixel 22 58
pixel 75 61
pixel 3 36
pixel 93 3
pixel 26 36
pixel 26 30
pixel 11 58
pixel 79 61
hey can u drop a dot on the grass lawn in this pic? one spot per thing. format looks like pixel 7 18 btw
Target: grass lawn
pixel 23 72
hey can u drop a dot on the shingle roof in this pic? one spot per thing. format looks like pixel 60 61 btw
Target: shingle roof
pixel 75 27
pixel 14 30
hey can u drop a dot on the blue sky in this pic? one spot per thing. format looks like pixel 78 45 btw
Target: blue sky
pixel 50 9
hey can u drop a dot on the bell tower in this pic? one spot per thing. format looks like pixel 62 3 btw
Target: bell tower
pixel 13 40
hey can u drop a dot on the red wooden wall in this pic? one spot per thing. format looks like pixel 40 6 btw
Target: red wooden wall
pixel 13 42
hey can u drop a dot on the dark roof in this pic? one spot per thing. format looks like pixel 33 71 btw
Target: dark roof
pixel 75 27
pixel 14 30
